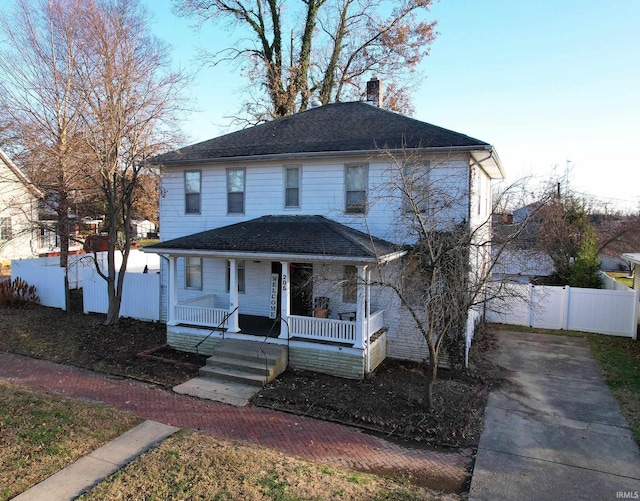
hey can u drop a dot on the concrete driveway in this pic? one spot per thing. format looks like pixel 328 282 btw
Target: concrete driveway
pixel 554 431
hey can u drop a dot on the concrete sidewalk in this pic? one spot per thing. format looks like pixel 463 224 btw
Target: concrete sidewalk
pixel 78 477
pixel 299 436
pixel 554 431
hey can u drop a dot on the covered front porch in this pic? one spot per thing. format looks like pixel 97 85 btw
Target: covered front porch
pixel 321 304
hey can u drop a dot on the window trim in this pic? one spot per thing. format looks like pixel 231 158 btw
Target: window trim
pixel 285 170
pixel 244 189
pixel 187 274
pixel 199 193
pixel 365 205
pixel 350 284
pixel 241 278
pixel 6 228
pixel 427 203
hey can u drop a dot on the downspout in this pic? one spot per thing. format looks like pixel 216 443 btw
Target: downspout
pixel 160 295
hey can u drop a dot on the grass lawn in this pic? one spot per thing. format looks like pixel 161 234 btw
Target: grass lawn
pixel 190 465
pixel 621 277
pixel 619 359
pixel 42 433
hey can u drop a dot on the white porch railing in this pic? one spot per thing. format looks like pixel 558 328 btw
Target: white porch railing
pixel 376 322
pixel 328 329
pixel 200 311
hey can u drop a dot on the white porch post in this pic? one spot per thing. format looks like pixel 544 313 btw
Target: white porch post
pixel 172 291
pixel 367 341
pixel 360 307
pixel 233 297
pixel 285 307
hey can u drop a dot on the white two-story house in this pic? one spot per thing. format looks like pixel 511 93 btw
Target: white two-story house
pixel 277 232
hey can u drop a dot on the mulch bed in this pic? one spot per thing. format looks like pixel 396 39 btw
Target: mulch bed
pixel 390 403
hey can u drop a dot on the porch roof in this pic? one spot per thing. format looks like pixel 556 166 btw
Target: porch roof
pixel 314 238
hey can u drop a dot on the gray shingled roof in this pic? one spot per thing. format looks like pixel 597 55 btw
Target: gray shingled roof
pixel 339 127
pixel 286 235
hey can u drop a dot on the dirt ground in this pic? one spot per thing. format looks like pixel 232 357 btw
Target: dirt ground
pixel 390 403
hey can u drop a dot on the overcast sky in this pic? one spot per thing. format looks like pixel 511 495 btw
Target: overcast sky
pixel 552 84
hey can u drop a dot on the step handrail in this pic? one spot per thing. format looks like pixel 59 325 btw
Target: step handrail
pixel 266 358
pixel 215 329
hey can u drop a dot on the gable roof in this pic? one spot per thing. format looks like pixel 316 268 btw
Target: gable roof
pixel 333 128
pixel 20 176
pixel 299 237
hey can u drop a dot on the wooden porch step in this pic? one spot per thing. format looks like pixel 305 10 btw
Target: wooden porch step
pixel 249 362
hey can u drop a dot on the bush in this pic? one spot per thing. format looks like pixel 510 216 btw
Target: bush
pixel 17 293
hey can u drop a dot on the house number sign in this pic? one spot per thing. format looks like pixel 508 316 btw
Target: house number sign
pixel 273 298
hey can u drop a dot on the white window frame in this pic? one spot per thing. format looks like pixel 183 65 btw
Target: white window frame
pixel 286 170
pixel 241 275
pixel 192 264
pixel 244 189
pixel 423 169
pixel 350 284
pixel 360 208
pixel 6 228
pixel 187 193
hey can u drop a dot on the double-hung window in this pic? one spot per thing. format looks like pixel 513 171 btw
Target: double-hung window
pixel 193 273
pixel 192 190
pixel 292 186
pixel 240 270
pixel 6 231
pixel 416 186
pixel 355 181
pixel 235 191
pixel 350 284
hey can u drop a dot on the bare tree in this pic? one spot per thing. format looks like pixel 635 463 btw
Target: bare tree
pixel 447 269
pixel 322 49
pixel 39 105
pixel 130 104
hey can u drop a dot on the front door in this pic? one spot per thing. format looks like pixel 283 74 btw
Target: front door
pixel 301 277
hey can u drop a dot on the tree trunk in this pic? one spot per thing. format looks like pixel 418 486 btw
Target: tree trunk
pixel 431 373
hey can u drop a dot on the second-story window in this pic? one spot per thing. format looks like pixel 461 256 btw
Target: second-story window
pixel 192 189
pixel 235 191
pixel 6 231
pixel 292 186
pixel 355 181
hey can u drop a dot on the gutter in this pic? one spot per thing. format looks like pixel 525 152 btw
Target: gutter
pixel 325 154
pixel 256 256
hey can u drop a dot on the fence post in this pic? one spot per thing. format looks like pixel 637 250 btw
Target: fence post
pixel 531 305
pixel 634 326
pixel 565 307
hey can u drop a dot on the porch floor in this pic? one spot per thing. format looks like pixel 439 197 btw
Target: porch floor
pixel 253 325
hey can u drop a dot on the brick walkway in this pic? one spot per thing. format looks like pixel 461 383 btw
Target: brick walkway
pixel 307 438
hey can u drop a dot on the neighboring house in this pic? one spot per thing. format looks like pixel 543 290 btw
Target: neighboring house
pixel 142 228
pixel 18 212
pixel 295 219
pixel 634 259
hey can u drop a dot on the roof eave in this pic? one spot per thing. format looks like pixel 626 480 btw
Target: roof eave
pixel 325 154
pixel 273 256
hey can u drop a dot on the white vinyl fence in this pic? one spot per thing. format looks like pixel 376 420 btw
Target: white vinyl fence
pixel 48 278
pixel 140 295
pixel 601 311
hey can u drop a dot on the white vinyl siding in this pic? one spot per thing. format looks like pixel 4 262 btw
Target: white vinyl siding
pixel 241 275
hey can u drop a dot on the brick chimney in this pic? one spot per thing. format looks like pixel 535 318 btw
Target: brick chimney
pixel 374 92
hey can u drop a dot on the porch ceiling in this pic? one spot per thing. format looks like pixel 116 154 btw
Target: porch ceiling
pixel 293 238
